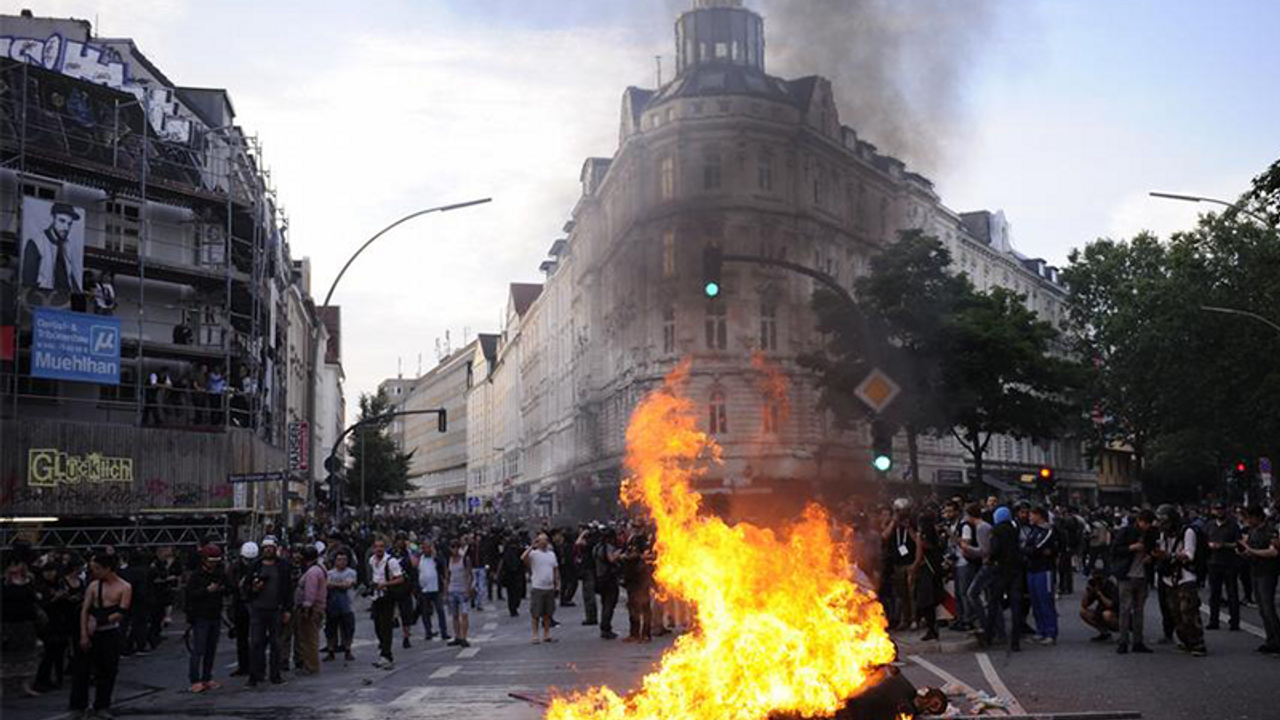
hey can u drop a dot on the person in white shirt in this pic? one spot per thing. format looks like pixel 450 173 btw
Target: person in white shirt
pixel 1179 594
pixel 430 597
pixel 387 579
pixel 544 574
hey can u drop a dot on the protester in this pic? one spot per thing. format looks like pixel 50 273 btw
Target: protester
pixel 240 617
pixel 310 602
pixel 430 592
pixel 1223 535
pixel 461 583
pixel 386 578
pixel 270 592
pixel 1100 606
pixel 608 559
pixel 1261 548
pixel 107 601
pixel 544 583
pixel 340 615
pixel 511 572
pixel 1134 567
pixel 637 576
pixel 1041 552
pixel 1175 557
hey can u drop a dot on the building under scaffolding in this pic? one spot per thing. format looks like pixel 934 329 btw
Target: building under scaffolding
pixel 177 241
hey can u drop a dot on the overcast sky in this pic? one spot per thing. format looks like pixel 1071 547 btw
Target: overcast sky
pixel 1068 113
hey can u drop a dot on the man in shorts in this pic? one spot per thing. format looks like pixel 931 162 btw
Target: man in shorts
pixel 544 584
pixel 461 583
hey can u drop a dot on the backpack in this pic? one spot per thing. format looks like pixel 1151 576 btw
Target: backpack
pixel 1200 563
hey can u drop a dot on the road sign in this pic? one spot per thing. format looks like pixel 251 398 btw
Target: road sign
pixel 877 390
pixel 300 446
pixel 261 477
pixel 1264 465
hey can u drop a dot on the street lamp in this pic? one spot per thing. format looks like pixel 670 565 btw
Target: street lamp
pixel 1244 313
pixel 315 335
pixel 1198 199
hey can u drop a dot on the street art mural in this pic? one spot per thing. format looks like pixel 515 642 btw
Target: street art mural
pixel 101 65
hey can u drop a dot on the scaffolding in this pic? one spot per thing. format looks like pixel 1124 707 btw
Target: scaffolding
pixel 192 233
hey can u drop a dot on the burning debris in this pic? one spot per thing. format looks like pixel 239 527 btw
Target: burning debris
pixel 782 629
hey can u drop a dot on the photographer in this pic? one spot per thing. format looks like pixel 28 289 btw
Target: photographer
pixel 608 557
pixel 898 538
pixel 270 596
pixel 1261 548
pixel 638 578
pixel 584 561
pixel 1175 558
pixel 237 577
pixel 1134 568
pixel 1100 606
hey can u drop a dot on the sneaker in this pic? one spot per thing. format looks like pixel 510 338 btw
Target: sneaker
pixel 212 685
pixel 1234 628
pixel 1142 649
pixel 198 688
pixel 389 665
pixel 608 636
pixel 329 657
pixel 1122 649
pixel 464 644
pixel 1199 652
pixel 454 643
pixel 277 681
pixel 103 714
pixel 252 684
pixel 1100 637
pixel 380 662
pixel 1048 641
pixel 1266 649
pixel 1166 640
pixel 406 645
pixel 239 672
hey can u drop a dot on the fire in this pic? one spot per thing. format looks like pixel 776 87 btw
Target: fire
pixel 781 627
pixel 772 385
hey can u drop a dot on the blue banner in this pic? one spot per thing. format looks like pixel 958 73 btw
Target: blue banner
pixel 75 346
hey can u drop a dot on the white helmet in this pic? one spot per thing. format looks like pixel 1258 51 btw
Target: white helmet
pixel 319 547
pixel 249 550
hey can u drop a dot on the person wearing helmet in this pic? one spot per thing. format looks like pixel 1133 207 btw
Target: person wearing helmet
pixel 1179 594
pixel 238 572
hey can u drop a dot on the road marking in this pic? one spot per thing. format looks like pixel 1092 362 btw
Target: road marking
pixel 413 697
pixel 945 676
pixel 444 672
pixel 490 626
pixel 1247 627
pixel 468 653
pixel 482 637
pixel 989 671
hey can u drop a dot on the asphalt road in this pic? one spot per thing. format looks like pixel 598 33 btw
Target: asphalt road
pixel 434 681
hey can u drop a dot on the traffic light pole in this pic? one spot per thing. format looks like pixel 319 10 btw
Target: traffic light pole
pixel 331 463
pixel 821 277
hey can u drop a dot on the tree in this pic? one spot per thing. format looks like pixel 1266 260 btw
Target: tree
pixel 894 325
pixel 381 464
pixel 1001 374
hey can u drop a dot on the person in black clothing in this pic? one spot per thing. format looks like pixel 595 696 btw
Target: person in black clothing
pixel 1261 549
pixel 137 571
pixel 1222 534
pixel 608 557
pixel 511 572
pixel 899 551
pixel 1005 561
pixel 585 569
pixel 568 571
pixel 237 576
pixel 1132 563
pixel 270 591
pixel 55 598
pixel 107 602
pixel 1100 606
pixel 206 590
pixel 406 597
pixel 926 573
pixel 637 572
pixel 165 579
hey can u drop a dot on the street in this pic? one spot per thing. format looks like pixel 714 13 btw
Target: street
pixel 431 680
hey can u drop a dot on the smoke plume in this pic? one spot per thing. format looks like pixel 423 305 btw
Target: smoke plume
pixel 898 68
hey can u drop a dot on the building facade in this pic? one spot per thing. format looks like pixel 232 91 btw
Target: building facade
pixel 150 308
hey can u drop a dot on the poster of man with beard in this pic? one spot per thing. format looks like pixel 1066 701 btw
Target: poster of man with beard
pixel 52 246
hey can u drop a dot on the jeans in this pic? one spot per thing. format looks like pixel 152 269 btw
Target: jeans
pixel 964 578
pixel 1264 594
pixel 53 661
pixel 591 616
pixel 340 630
pixel 608 602
pixel 1066 573
pixel 384 610
pixel 102 660
pixel 481 577
pixel 264 634
pixel 1220 575
pixel 204 648
pixel 430 602
pixel 1133 607
pixel 974 600
pixel 1041 586
pixel 1002 585
pixel 241 616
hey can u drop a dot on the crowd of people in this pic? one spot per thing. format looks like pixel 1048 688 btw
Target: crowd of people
pixel 987 561
pixel 291 604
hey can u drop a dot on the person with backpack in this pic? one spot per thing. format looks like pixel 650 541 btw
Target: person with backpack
pixel 1176 556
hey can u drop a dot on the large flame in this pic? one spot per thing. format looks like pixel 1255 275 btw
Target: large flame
pixel 781 627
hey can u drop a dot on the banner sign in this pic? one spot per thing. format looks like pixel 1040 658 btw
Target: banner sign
pixel 261 477
pixel 299 446
pixel 47 467
pixel 75 346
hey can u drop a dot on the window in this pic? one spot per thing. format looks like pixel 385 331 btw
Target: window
pixel 717 333
pixel 718 418
pixel 35 190
pixel 668 172
pixel 768 327
pixel 764 171
pixel 722 50
pixel 122 227
pixel 711 168
pixel 819 186
pixel 669 331
pixel 772 417
pixel 669 254
pixel 212 243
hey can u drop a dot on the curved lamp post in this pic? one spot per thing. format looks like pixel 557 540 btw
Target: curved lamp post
pixel 1199 199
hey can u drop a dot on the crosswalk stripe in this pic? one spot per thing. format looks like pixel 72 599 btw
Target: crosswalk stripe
pixel 444 672
pixel 468 653
pixel 414 696
pixel 1247 627
pixel 491 626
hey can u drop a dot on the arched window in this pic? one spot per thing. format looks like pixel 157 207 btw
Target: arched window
pixel 668 173
pixel 718 419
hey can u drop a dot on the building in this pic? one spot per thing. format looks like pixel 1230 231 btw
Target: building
pixel 438 466
pixel 193 366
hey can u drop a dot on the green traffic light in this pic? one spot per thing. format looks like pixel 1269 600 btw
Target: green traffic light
pixel 712 289
pixel 882 463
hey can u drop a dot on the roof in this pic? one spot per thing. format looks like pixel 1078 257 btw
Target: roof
pixel 523 295
pixel 726 79
pixel 489 346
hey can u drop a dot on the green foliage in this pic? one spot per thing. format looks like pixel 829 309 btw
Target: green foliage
pixel 385 470
pixel 969 363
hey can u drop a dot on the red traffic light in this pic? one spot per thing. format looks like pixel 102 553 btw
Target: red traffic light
pixel 1241 467
pixel 1045 473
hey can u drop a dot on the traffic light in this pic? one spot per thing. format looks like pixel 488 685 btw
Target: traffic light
pixel 442 421
pixel 881 447
pixel 1240 470
pixel 1047 480
pixel 712 259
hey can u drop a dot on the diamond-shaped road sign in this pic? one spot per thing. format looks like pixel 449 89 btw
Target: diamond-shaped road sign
pixel 877 390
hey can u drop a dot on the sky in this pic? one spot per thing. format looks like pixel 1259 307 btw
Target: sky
pixel 1066 114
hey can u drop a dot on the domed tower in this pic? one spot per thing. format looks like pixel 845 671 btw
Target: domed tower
pixel 719 32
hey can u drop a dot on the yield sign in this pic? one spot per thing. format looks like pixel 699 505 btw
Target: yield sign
pixel 877 390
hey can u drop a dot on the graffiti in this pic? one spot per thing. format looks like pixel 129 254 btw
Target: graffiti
pixel 50 468
pixel 101 65
pixel 106 499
